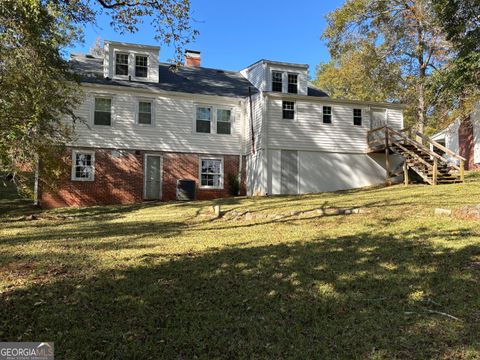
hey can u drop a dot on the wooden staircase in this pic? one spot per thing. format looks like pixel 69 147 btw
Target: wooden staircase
pixel 418 155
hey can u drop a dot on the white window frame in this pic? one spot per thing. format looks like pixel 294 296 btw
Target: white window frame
pixel 331 115
pixel 74 164
pixel 271 80
pixel 222 178
pixel 298 81
pixel 134 74
pixel 115 64
pixel 213 118
pixel 112 110
pixel 294 110
pixel 137 111
pixel 216 119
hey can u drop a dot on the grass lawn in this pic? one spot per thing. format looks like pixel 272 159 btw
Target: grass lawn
pixel 157 280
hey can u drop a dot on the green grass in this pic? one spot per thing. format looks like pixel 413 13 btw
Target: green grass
pixel 156 280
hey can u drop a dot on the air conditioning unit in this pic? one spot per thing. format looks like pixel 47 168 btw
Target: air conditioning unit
pixel 185 189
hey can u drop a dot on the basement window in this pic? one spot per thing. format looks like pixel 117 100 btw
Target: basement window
pixel 121 64
pixel 103 112
pixel 277 82
pixel 224 125
pixel 141 66
pixel 211 173
pixel 293 83
pixel 327 114
pixel 203 119
pixel 83 165
pixel 357 117
pixel 288 108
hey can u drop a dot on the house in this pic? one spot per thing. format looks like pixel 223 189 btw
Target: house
pixel 154 132
pixel 463 138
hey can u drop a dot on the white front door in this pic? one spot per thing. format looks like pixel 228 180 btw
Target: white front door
pixel 153 177
pixel 378 118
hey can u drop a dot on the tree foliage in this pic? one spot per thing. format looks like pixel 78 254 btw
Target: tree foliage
pixel 406 36
pixel 36 87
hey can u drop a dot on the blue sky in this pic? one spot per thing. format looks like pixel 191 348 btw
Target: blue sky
pixel 234 34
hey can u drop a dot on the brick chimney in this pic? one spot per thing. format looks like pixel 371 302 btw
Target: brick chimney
pixel 192 58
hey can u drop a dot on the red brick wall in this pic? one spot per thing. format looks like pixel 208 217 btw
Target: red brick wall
pixel 466 144
pixel 119 179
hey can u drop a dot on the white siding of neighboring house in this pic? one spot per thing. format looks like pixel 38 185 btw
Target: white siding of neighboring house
pixel 308 132
pixel 174 123
pixel 257 106
pixel 476 134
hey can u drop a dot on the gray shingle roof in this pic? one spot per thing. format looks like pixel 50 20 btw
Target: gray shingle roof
pixel 204 81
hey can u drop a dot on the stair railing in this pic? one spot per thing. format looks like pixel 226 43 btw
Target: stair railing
pixel 454 155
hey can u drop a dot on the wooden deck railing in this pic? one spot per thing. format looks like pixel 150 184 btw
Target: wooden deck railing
pixel 383 137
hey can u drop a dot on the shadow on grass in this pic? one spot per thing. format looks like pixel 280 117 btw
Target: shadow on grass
pixel 363 296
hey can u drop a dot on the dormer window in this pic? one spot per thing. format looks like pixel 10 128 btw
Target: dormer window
pixel 293 83
pixel 277 81
pixel 121 64
pixel 141 66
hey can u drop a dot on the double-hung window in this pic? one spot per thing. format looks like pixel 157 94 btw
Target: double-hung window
pixel 141 66
pixel 293 83
pixel 277 82
pixel 288 109
pixel 224 125
pixel 102 111
pixel 121 64
pixel 203 119
pixel 357 117
pixel 145 112
pixel 83 165
pixel 211 173
pixel 327 114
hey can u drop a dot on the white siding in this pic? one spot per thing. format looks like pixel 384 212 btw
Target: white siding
pixel 174 118
pixel 151 52
pixel 308 132
pixel 323 171
pixel 256 174
pixel 395 118
pixel 257 106
pixel 256 75
pixel 476 134
pixel 302 77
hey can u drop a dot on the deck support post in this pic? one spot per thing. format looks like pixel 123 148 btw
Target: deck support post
pixel 462 170
pixel 405 173
pixel 435 171
pixel 387 158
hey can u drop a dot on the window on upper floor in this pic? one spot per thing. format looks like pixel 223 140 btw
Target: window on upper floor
pixel 83 165
pixel 327 114
pixel 211 173
pixel 203 119
pixel 141 66
pixel 224 125
pixel 293 83
pixel 121 64
pixel 103 111
pixel 288 109
pixel 357 117
pixel 145 112
pixel 277 83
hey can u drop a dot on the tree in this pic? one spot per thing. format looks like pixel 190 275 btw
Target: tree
pixel 405 33
pixel 456 86
pixel 36 87
pixel 360 73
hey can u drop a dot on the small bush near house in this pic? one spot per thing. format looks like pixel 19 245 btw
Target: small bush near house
pixel 233 184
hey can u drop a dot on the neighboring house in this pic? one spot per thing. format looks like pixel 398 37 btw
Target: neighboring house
pixel 153 132
pixel 463 138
